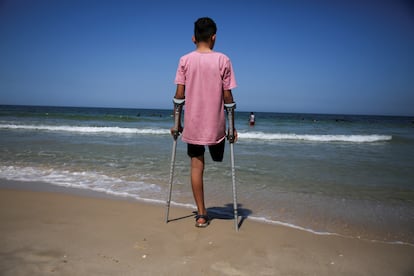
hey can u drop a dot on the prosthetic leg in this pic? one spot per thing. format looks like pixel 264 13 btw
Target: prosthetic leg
pixel 178 107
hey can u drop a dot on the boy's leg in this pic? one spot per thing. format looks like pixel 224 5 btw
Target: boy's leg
pixel 197 171
pixel 196 152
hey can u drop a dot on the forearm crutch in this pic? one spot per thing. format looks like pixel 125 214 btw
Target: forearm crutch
pixel 231 137
pixel 178 106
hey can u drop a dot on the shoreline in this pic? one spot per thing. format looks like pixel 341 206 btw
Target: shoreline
pixel 76 233
pixel 218 212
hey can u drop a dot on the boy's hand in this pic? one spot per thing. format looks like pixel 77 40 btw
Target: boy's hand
pixel 234 138
pixel 236 135
pixel 176 132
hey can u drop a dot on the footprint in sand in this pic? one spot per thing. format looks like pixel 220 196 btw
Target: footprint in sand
pixel 227 269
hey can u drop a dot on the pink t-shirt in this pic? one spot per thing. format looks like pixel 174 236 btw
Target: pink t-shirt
pixel 205 76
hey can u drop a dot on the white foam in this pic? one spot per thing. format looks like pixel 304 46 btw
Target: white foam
pixel 274 222
pixel 85 129
pixel 83 180
pixel 315 137
pixel 323 233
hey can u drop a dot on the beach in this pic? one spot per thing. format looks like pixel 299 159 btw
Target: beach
pixel 83 192
pixel 350 175
pixel 66 232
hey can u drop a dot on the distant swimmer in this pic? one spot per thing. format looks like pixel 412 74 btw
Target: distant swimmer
pixel 251 119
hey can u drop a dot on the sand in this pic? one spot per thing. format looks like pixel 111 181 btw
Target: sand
pixel 54 233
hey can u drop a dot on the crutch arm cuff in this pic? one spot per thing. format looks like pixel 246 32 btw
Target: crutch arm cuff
pixel 230 105
pixel 178 101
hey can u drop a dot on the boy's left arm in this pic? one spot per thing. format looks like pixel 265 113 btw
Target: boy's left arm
pixel 180 92
pixel 179 95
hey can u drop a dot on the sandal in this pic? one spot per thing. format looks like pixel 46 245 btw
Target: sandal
pixel 202 224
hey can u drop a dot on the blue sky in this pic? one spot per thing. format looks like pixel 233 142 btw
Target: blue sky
pixel 350 57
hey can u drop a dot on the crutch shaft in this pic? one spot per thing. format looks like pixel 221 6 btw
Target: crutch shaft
pixel 171 179
pixel 178 106
pixel 233 176
pixel 231 137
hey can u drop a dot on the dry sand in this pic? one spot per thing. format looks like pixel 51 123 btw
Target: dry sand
pixel 48 233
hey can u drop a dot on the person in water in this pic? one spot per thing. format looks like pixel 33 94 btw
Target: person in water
pixel 251 119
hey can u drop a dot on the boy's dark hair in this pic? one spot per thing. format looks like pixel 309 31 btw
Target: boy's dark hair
pixel 204 29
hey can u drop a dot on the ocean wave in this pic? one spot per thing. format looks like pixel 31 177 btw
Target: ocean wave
pixel 86 129
pixel 369 138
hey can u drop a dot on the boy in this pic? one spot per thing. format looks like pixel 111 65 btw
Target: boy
pixel 204 79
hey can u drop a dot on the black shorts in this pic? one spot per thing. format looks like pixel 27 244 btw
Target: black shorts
pixel 216 151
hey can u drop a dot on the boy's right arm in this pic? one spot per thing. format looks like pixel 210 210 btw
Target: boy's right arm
pixel 228 99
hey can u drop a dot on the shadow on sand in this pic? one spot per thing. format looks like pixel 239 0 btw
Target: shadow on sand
pixel 226 212
pixel 223 212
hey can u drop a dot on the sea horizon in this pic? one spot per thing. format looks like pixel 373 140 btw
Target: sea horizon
pixel 236 110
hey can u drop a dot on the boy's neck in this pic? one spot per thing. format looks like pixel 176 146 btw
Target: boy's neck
pixel 204 47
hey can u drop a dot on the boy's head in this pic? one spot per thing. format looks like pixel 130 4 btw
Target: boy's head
pixel 204 30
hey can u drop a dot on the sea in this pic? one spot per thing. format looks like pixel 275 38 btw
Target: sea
pixel 346 175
